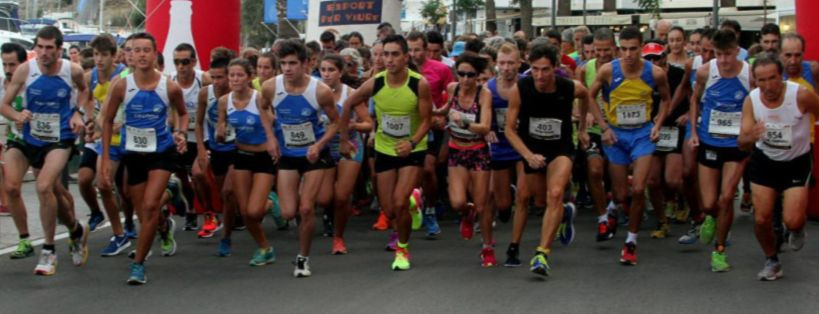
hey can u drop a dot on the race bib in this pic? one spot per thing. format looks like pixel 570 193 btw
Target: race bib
pixel 546 129
pixel 230 134
pixel 45 127
pixel 631 114
pixel 140 140
pixel 669 138
pixel 396 126
pixel 777 136
pixel 724 124
pixel 191 120
pixel 298 135
pixel 461 131
pixel 500 117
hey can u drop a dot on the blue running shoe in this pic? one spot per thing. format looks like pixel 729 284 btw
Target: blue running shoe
pixel 116 246
pixel 540 265
pixel 130 230
pixel 224 247
pixel 566 229
pixel 137 275
pixel 95 220
pixel 433 230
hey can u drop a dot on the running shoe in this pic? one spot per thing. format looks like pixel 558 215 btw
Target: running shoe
pixel 302 269
pixel 137 276
pixel 628 256
pixel 431 221
pixel 276 211
pixel 681 214
pixel 338 246
pixel 263 257
pixel 4 211
pixel 772 271
pixel 402 259
pixel 191 222
pixel 130 230
pixel 47 265
pixel 708 229
pixel 210 227
pixel 796 240
pixel 746 204
pixel 24 249
pixel 79 247
pixel 690 236
pixel 238 223
pixel 662 231
pixel 95 220
pixel 116 246
pixel 540 265
pixel 612 211
pixel 468 222
pixel 603 232
pixel 416 203
pixel 512 259
pixel 166 239
pixel 224 247
pixel 382 223
pixel 718 262
pixel 505 215
pixel 565 231
pixel 327 221
pixel 488 257
pixel 393 242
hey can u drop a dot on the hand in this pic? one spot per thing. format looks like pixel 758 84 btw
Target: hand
pixel 682 120
pixel 89 127
pixel 491 137
pixel 220 133
pixel 103 175
pixel 536 161
pixel 371 140
pixel 181 142
pixel 76 123
pixel 694 141
pixel 583 136
pixel 758 131
pixel 347 148
pixel 608 137
pixel 273 149
pixel 403 148
pixel 23 116
pixel 438 122
pixel 655 133
pixel 313 153
pixel 589 120
pixel 455 116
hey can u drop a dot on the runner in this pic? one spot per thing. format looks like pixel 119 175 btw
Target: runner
pixel 629 83
pixel 722 85
pixel 797 69
pixel 403 106
pixel 50 126
pixel 149 143
pixel 774 124
pixel 297 99
pixel 470 116
pixel 266 68
pixel 546 144
pixel 191 81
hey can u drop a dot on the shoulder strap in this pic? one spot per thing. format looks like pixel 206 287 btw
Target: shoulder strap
pixel 413 84
pixel 379 83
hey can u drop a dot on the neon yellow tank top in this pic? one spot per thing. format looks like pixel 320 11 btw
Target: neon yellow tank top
pixel 396 110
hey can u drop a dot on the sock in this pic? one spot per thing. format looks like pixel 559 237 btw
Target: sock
pixel 24 236
pixel 49 247
pixel 76 233
pixel 541 250
pixel 604 218
pixel 774 258
pixel 487 245
pixel 514 246
pixel 403 245
pixel 631 237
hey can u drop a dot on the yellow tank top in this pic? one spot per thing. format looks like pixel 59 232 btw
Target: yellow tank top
pixel 629 101
pixel 396 110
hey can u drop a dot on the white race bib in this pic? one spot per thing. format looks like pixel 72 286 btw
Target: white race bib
pixel 724 124
pixel 45 127
pixel 298 135
pixel 669 138
pixel 777 136
pixel 230 133
pixel 631 114
pixel 500 117
pixel 395 126
pixel 191 120
pixel 546 129
pixel 140 140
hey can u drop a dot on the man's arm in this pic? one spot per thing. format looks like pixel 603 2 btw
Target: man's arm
pixel 199 128
pixel 748 133
pixel 325 100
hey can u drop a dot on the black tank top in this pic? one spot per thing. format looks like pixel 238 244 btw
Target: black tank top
pixel 545 118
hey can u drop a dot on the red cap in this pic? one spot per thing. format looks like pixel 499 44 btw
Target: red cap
pixel 653 49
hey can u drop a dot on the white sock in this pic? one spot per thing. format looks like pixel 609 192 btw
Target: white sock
pixel 603 218
pixel 631 237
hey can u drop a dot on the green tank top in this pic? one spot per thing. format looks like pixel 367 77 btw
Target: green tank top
pixel 590 75
pixel 397 114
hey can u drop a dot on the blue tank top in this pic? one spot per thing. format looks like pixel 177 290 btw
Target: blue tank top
pixel 721 112
pixel 145 128
pixel 247 122
pixel 297 118
pixel 211 120
pixel 49 98
pixel 501 150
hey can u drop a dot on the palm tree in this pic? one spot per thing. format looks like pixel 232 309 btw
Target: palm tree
pixel 285 29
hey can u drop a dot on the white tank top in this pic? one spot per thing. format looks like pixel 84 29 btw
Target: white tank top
pixel 787 130
pixel 191 95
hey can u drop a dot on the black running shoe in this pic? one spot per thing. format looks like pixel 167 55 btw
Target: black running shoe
pixel 191 223
pixel 512 254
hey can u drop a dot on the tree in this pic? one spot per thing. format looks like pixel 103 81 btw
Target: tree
pixel 652 6
pixel 526 17
pixel 434 12
pixel 285 28
pixel 254 32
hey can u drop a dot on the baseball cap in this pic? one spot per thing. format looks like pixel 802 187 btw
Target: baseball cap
pixel 458 48
pixel 653 49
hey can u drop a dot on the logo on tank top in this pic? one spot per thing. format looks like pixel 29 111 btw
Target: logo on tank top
pixel 157 108
pixel 739 95
pixel 250 121
pixel 306 112
pixel 62 92
pixel 35 92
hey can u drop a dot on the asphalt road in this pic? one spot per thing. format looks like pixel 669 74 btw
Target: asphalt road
pixel 445 277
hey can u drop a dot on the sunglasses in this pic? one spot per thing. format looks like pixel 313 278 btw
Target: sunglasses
pixel 653 57
pixel 185 61
pixel 467 74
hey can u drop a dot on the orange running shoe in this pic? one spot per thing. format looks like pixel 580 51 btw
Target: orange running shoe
pixel 338 246
pixel 382 223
